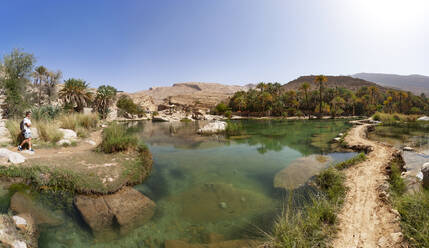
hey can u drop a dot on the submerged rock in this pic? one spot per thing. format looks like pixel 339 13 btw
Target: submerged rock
pixel 213 127
pixel 23 204
pixel 13 157
pixel 300 171
pixel 127 208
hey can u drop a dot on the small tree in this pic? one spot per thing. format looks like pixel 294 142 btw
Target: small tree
pixel 16 68
pixel 76 94
pixel 320 80
pixel 52 79
pixel 104 98
pixel 40 76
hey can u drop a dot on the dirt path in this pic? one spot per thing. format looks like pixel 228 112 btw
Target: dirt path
pixel 366 220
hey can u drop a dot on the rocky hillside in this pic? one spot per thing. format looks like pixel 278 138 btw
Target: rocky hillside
pixel 333 81
pixel 189 94
pixel 415 83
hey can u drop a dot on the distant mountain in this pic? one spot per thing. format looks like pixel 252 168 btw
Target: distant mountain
pixel 415 83
pixel 347 82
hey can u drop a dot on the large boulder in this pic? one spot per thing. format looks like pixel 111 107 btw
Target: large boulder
pixel 127 208
pixel 22 203
pixel 13 157
pixel 213 127
pixel 423 118
pixel 68 134
pixel 425 172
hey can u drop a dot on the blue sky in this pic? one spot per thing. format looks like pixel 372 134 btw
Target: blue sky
pixel 136 44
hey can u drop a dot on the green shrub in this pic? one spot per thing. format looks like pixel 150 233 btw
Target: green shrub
pixel 221 108
pixel 228 114
pixel 126 104
pixel 115 139
pixel 234 129
pixel 48 112
pixel 331 182
pixel 397 184
pixel 48 131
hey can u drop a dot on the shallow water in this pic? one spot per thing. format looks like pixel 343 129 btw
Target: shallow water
pixel 206 185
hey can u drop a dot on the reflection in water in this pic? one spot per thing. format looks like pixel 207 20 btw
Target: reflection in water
pixel 208 185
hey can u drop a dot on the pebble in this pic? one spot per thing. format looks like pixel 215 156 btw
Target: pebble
pixel 223 205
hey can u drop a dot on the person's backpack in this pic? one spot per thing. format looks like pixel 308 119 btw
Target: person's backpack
pixel 21 126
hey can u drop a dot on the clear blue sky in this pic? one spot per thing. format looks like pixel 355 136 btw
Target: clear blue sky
pixel 136 44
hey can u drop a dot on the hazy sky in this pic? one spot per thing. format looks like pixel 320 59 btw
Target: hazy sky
pixel 136 44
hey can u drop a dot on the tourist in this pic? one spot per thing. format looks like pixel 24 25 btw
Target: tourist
pixel 26 131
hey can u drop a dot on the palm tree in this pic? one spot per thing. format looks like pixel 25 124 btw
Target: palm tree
pixel 76 93
pixel 105 97
pixel 374 93
pixel 52 79
pixel 320 80
pixel 262 86
pixel 304 87
pixel 39 76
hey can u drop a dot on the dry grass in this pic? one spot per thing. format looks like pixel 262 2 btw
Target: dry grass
pixel 48 131
pixel 78 121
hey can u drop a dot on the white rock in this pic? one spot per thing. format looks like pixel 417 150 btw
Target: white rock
pixel 161 118
pixel 419 176
pixel 13 157
pixel 64 142
pixel 337 139
pixel 91 142
pixel 423 118
pixel 213 127
pixel 19 244
pixel 341 134
pixel 68 134
pixel 19 220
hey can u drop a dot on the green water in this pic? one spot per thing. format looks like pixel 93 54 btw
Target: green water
pixel 209 184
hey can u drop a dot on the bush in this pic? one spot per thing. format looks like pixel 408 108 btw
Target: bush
pixel 228 114
pixel 234 129
pixel 75 121
pixel 126 104
pixel 48 132
pixel 221 108
pixel 45 113
pixel 115 139
pixel 331 182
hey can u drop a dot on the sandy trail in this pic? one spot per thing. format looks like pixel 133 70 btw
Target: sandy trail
pixel 365 220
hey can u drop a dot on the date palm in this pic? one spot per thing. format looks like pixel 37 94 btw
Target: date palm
pixel 39 75
pixel 320 80
pixel 304 87
pixel 52 79
pixel 76 93
pixel 105 97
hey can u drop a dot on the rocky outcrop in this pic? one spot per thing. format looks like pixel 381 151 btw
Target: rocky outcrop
pixel 12 157
pixel 126 208
pixel 18 231
pixel 68 137
pixel 213 127
pixel 425 172
pixel 22 203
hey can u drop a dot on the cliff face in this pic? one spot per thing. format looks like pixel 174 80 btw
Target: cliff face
pixel 333 82
pixel 204 95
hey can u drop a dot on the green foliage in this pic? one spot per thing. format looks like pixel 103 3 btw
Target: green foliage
pixel 104 98
pixel 350 162
pixel 412 207
pixel 116 139
pixel 228 114
pixel 221 108
pixel 234 129
pixel 76 94
pixel 47 112
pixel 17 67
pixel 331 181
pixel 127 105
